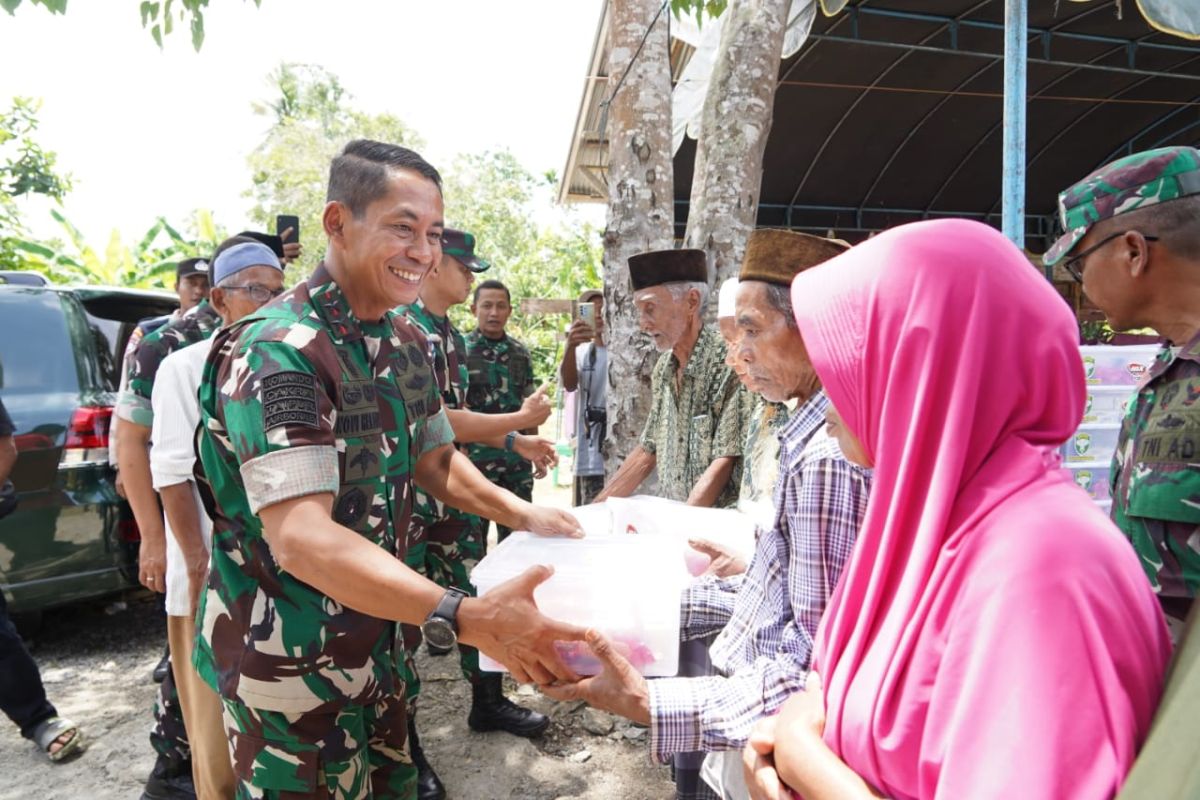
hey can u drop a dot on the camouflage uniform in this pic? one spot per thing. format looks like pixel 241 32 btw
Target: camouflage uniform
pixel 134 402
pixel 302 398
pixel 444 544
pixel 168 736
pixel 1154 482
pixel 500 377
pixel 688 430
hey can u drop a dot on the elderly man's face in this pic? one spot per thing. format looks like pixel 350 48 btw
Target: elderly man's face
pixel 662 316
pixel 729 333
pixel 771 350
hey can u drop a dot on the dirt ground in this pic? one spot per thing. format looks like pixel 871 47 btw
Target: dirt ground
pixel 96 662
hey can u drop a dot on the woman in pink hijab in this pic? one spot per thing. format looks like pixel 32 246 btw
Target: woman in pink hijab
pixel 993 635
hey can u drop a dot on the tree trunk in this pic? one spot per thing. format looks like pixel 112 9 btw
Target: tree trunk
pixel 733 133
pixel 640 204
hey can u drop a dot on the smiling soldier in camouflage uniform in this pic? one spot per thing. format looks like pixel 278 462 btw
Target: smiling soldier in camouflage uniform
pixel 319 412
pixel 1133 238
pixel 500 374
pixel 445 543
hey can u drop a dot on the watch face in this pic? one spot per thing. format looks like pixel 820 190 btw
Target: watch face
pixel 439 633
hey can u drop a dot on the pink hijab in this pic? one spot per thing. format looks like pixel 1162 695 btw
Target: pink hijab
pixel 993 635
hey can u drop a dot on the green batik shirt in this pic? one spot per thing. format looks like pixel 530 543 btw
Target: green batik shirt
pixel 1155 477
pixel 448 354
pixel 500 377
pixel 197 325
pixel 689 429
pixel 760 457
pixel 302 398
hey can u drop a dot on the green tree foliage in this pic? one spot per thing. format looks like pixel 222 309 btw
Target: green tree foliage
pixel 698 9
pixel 25 168
pixel 489 194
pixel 495 198
pixel 148 263
pixel 159 18
pixel 311 120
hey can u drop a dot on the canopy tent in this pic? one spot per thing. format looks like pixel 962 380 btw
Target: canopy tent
pixel 891 112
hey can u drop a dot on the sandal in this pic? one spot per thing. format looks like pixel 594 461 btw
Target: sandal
pixel 51 730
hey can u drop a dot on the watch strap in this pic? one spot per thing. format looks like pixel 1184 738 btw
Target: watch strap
pixel 447 607
pixel 510 439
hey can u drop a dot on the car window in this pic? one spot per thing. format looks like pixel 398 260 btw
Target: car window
pixel 110 336
pixel 35 348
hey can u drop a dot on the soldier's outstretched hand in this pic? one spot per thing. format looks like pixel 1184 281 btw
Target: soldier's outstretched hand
pixel 551 522
pixel 518 635
pixel 537 406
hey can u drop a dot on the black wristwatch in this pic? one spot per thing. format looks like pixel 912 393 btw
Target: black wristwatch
pixel 440 628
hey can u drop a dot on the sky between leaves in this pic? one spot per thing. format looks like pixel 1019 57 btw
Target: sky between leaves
pixel 148 132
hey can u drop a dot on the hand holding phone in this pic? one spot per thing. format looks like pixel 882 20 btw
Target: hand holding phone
pixel 287 224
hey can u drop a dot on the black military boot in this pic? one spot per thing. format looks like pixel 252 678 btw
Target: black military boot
pixel 171 779
pixel 160 669
pixel 492 711
pixel 429 787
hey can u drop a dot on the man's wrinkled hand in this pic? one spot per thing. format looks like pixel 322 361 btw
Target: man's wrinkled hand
pixel 725 562
pixel 551 522
pixel 619 688
pixel 506 624
pixel 537 408
pixel 152 563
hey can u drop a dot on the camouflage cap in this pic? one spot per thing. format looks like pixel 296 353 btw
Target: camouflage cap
pixel 460 246
pixel 1136 181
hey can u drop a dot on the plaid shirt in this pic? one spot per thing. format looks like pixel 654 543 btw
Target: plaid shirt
pixel 771 614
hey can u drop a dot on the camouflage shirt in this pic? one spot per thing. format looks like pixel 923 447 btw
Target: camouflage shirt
pixel 134 403
pixel 448 354
pixel 500 377
pixel 1155 483
pixel 302 398
pixel 760 456
pixel 687 430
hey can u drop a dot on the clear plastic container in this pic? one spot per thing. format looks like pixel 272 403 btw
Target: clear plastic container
pixel 654 516
pixel 1106 404
pixel 1091 443
pixel 628 587
pixel 1109 365
pixel 1092 478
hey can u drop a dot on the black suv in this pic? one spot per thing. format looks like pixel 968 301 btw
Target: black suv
pixel 72 537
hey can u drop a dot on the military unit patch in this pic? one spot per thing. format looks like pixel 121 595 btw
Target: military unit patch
pixel 290 398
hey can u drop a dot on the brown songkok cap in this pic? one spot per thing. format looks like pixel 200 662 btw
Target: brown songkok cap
pixel 777 256
pixel 667 266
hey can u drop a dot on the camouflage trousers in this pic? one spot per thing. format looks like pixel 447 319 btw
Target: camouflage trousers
pixel 444 552
pixel 358 753
pixel 519 483
pixel 168 737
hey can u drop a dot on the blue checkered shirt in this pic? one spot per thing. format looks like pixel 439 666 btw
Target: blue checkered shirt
pixel 769 616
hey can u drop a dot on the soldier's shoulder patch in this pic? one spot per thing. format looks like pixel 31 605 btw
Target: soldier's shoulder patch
pixel 290 399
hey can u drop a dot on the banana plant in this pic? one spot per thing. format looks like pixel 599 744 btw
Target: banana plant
pixel 149 263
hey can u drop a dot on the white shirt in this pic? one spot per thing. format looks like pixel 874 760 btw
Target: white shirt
pixel 173 453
